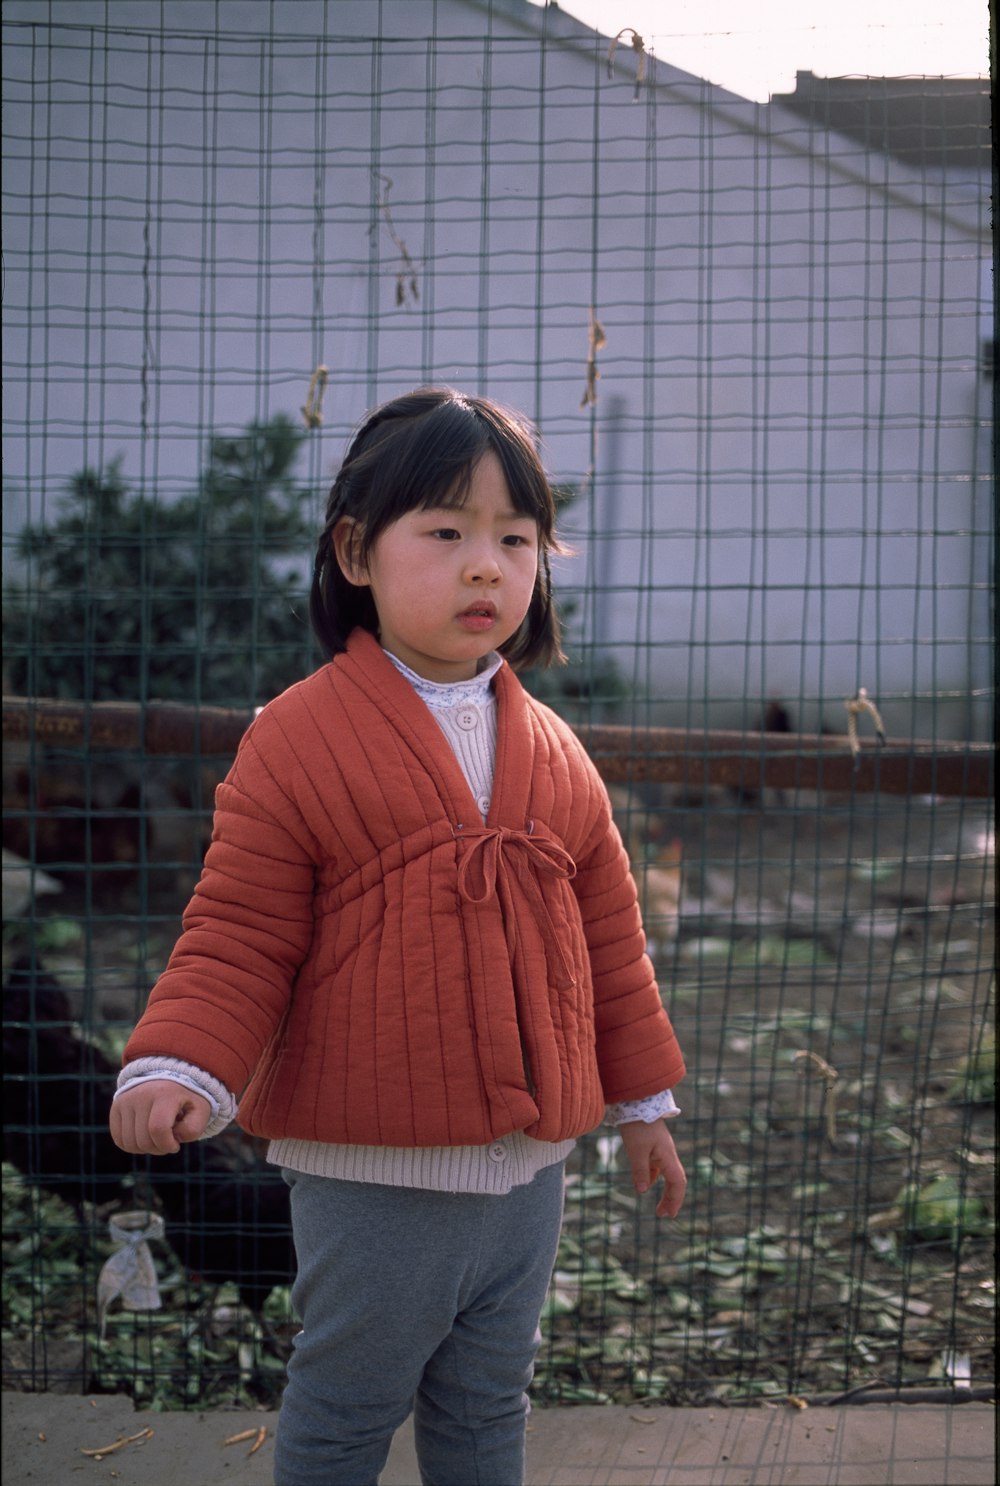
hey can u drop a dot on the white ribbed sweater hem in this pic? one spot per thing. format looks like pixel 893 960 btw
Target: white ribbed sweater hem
pixel 493 1169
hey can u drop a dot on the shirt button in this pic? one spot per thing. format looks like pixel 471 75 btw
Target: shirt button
pixel 498 1151
pixel 467 719
pixel 484 804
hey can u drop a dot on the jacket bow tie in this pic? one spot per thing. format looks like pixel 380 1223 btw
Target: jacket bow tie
pixel 494 853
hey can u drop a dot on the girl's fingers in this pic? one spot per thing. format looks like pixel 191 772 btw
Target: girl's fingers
pixel 144 1125
pixel 671 1202
pixel 652 1155
pixel 116 1124
pixel 674 1189
pixel 191 1125
pixel 123 1127
pixel 163 1116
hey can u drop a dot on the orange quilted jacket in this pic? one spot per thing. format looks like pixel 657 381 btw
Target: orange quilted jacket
pixel 367 962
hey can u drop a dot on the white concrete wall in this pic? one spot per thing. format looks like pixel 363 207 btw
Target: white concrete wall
pixel 790 439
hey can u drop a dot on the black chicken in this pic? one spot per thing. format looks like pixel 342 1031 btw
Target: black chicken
pixel 225 1209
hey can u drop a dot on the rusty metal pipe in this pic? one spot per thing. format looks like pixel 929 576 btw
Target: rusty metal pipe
pixel 623 755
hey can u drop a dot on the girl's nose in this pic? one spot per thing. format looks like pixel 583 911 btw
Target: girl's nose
pixel 483 569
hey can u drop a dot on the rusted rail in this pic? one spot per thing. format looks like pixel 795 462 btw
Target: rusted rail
pixel 624 755
pixel 754 761
pixel 155 728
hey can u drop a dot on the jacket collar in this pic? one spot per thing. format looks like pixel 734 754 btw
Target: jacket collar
pixel 368 667
pixel 512 777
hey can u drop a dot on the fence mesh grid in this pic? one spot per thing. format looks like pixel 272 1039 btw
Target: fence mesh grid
pixel 758 342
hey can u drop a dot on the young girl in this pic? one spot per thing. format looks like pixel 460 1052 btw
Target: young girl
pixel 415 954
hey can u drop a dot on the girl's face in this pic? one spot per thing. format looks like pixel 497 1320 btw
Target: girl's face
pixel 450 583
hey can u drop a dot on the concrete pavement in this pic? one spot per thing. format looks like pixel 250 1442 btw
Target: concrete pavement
pixel 45 1435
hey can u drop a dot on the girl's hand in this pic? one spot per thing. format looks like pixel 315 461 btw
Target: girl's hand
pixel 652 1154
pixel 152 1119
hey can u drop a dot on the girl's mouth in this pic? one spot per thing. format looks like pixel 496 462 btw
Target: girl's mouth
pixel 478 616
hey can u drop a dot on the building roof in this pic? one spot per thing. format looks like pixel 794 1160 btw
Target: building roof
pixel 929 122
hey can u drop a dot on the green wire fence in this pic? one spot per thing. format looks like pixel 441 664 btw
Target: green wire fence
pixel 758 342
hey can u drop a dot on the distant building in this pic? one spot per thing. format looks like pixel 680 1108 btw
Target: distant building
pixel 782 429
pixel 934 123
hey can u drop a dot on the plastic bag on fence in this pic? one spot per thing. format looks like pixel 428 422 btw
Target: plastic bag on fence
pixel 130 1273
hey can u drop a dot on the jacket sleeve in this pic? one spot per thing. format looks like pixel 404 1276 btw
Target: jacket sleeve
pixel 637 1051
pixel 246 931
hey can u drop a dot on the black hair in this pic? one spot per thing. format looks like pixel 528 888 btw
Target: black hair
pixel 420 451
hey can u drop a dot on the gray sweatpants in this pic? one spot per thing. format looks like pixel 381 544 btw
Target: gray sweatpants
pixel 414 1300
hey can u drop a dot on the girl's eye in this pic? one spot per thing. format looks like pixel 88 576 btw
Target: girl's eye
pixel 514 540
pixel 446 533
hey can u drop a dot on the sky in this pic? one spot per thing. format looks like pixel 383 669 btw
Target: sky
pixel 755 47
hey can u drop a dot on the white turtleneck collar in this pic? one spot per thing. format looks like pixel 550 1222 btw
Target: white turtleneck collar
pixel 438 695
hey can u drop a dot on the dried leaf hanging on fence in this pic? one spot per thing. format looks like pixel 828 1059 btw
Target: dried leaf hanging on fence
pixel 596 341
pixel 639 47
pixel 311 410
pixel 406 274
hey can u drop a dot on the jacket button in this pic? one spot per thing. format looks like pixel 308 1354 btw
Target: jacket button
pixel 498 1151
pixel 467 719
